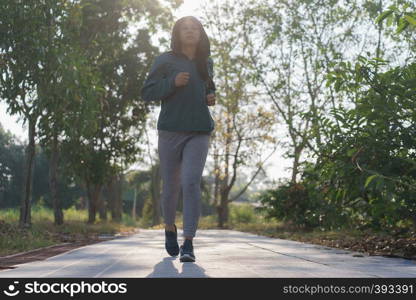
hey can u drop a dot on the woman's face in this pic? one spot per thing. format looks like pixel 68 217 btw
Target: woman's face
pixel 189 32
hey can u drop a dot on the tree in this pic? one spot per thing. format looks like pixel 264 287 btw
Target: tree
pixel 27 57
pixel 289 47
pixel 107 61
pixel 11 166
pixel 243 125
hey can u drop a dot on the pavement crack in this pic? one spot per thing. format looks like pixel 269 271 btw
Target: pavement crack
pixel 281 253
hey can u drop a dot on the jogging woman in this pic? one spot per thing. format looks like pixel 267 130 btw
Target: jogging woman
pixel 182 80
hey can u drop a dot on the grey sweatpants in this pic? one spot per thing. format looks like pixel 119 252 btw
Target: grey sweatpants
pixel 182 157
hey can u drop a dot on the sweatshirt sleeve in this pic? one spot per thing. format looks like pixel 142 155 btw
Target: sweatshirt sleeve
pixel 210 84
pixel 158 84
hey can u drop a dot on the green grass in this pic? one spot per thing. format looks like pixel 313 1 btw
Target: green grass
pixel 44 233
pixel 243 217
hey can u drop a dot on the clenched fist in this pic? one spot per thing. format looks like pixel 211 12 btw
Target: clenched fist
pixel 210 99
pixel 182 78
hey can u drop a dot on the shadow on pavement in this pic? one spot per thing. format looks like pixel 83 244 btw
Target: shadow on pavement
pixel 166 268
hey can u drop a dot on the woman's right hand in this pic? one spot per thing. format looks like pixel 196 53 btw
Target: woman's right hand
pixel 182 78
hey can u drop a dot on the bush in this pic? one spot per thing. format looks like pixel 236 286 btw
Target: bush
pixel 242 213
pixel 299 204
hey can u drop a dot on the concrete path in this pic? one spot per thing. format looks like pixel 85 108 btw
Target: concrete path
pixel 219 253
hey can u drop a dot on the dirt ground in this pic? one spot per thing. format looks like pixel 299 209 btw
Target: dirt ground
pixel 9 261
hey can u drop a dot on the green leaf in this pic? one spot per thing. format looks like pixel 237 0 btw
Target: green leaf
pixel 390 20
pixel 410 20
pixel 350 152
pixel 369 179
pixel 402 27
pixel 383 15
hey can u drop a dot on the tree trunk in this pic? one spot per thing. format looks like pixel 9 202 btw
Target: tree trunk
pixel 102 206
pixel 53 183
pixel 93 196
pixel 115 197
pixel 25 206
pixel 133 210
pixel 118 209
pixel 223 213
pixel 217 185
pixel 109 190
pixel 295 168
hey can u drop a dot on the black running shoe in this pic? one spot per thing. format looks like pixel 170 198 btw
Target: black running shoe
pixel 171 242
pixel 187 251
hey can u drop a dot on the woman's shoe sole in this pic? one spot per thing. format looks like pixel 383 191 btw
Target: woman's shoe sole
pixel 187 258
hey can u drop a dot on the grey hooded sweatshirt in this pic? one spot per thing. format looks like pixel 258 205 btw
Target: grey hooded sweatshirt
pixel 183 108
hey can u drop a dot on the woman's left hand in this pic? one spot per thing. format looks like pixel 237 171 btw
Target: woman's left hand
pixel 210 99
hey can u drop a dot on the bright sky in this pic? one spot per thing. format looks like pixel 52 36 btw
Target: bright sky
pixel 275 166
pixel 11 123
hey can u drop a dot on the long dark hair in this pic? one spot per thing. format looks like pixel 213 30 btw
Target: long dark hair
pixel 203 49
